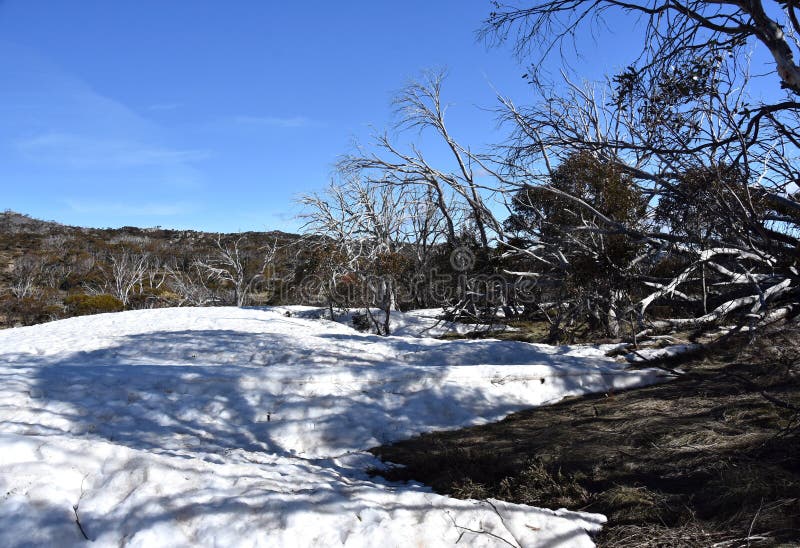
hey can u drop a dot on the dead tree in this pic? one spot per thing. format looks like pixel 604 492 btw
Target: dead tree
pixel 237 266
pixel 462 199
pixel 681 108
pixel 190 286
pixel 364 225
pixel 26 273
pixel 127 272
pixel 419 107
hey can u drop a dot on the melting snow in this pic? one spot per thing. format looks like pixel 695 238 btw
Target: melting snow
pixel 248 427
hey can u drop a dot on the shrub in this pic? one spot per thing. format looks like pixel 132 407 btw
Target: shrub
pixel 81 305
pixel 27 311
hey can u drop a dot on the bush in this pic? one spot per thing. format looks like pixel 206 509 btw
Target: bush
pixel 27 311
pixel 81 305
pixel 149 297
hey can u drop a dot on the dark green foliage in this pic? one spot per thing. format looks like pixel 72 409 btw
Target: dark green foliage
pixel 706 203
pixel 583 259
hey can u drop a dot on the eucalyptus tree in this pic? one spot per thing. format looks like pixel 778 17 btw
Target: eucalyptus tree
pixel 237 265
pixel 682 107
pixel 359 229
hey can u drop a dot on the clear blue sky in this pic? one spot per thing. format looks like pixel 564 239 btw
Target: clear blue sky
pixel 216 115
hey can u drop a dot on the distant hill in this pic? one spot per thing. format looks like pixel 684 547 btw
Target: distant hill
pixel 12 222
pixel 49 270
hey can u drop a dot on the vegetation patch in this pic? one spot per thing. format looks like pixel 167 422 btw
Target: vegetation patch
pixel 81 305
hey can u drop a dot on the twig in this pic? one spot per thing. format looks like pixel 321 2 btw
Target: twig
pixel 479 532
pixel 752 523
pixel 78 522
pixel 75 511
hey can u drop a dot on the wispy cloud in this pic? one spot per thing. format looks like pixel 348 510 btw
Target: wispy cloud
pixel 276 121
pixel 164 106
pixel 84 152
pixel 154 209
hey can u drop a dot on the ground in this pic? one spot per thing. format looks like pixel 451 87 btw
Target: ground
pixel 249 427
pixel 711 457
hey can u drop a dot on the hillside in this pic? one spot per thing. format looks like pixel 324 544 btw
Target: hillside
pixel 50 271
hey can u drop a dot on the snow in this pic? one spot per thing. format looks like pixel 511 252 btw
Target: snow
pixel 669 351
pixel 248 427
pixel 423 322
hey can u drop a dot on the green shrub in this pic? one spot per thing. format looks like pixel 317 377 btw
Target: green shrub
pixel 81 305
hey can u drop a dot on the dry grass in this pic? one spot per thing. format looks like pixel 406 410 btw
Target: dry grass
pixel 521 330
pixel 713 457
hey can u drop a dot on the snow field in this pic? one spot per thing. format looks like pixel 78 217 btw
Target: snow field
pixel 247 427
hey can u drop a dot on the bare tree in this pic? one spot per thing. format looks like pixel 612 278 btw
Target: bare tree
pixel 127 273
pixel 462 198
pixel 367 224
pixel 419 107
pixel 429 234
pixel 680 108
pixel 237 266
pixel 57 273
pixel 26 273
pixel 190 285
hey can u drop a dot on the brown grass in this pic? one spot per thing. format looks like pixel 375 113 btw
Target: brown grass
pixel 712 457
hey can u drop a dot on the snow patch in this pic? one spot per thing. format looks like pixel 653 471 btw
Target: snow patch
pixel 228 426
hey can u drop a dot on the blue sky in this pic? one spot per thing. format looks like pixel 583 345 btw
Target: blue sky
pixel 217 115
